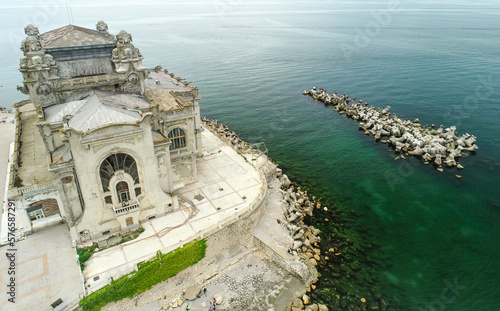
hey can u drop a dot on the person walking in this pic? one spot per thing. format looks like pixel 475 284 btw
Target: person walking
pixel 205 291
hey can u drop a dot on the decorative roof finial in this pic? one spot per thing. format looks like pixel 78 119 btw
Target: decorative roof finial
pixel 102 26
pixel 31 30
pixel 124 37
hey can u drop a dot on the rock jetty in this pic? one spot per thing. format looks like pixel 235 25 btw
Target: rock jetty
pixel 222 131
pixel 442 146
pixel 305 238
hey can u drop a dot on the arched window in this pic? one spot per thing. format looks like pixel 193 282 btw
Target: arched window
pixel 178 138
pixel 122 191
pixel 117 162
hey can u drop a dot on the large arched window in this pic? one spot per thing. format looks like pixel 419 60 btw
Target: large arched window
pixel 117 162
pixel 178 138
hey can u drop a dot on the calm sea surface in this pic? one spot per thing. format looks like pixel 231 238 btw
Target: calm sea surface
pixel 435 238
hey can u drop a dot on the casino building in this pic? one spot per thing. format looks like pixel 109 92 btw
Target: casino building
pixel 103 142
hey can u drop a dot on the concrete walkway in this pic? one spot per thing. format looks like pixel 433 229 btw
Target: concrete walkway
pixel 227 187
pixel 45 270
pixel 7 137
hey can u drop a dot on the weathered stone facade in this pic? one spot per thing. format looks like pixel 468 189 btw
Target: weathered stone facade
pixel 107 138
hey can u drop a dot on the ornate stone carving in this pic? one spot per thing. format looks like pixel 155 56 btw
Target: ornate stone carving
pixel 23 89
pixel 119 176
pixel 126 56
pixel 31 30
pixel 37 63
pixel 124 37
pixel 23 62
pixel 49 60
pixel 47 99
pixel 138 53
pixel 102 26
pixel 23 46
pixel 39 70
pixel 127 53
pixel 133 78
pixel 44 89
pixel 31 44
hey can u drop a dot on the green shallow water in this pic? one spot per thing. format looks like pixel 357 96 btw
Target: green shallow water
pixel 417 230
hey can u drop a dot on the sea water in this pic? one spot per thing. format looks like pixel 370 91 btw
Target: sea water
pixel 432 240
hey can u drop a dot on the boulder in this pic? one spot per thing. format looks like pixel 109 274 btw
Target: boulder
pixel 322 307
pixel 219 299
pixel 306 299
pixel 313 307
pixel 313 239
pixel 179 302
pixel 298 303
pixel 102 244
pixel 297 244
pixel 313 262
pixel 315 231
pixel 299 235
pixel 192 292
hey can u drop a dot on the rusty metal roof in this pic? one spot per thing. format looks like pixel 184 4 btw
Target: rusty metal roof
pixel 160 85
pixel 61 154
pixel 71 36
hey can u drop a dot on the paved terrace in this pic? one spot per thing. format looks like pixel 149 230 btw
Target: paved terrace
pixel 227 187
pixel 33 166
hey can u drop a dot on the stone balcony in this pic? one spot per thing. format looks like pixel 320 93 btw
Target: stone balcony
pixel 122 210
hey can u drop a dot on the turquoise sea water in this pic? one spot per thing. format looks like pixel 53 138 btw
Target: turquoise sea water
pixel 427 231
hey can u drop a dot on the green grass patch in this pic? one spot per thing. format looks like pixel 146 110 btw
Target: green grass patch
pixel 84 254
pixel 131 235
pixel 151 272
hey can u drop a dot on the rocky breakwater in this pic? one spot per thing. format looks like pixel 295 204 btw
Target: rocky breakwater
pixel 305 238
pixel 442 146
pixel 223 132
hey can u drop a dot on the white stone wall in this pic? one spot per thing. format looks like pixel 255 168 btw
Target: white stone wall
pixel 88 153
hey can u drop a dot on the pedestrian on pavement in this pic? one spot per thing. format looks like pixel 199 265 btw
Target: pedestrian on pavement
pixel 211 306
pixel 205 291
pixel 188 307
